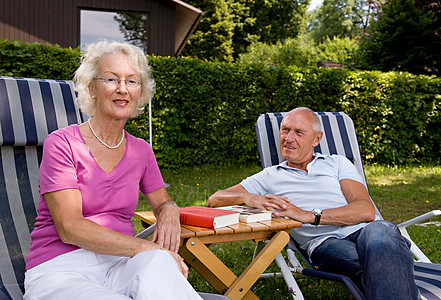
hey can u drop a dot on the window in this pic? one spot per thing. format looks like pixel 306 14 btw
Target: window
pixel 114 26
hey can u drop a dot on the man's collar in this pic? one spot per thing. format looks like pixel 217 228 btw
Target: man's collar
pixel 284 164
pixel 319 155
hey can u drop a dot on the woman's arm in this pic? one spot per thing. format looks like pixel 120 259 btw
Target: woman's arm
pixel 168 228
pixel 65 207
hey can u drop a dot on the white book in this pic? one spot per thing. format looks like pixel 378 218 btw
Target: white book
pixel 249 214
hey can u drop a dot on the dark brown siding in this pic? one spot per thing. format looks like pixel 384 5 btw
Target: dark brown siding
pixel 58 21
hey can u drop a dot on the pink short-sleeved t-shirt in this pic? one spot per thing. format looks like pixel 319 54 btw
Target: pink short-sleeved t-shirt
pixel 108 199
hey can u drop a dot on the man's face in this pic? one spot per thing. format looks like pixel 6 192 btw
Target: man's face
pixel 297 139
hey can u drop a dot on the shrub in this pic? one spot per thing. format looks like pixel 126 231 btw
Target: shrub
pixel 339 50
pixel 298 52
pixel 37 61
pixel 204 112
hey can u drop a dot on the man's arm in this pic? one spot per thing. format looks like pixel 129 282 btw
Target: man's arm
pixel 238 195
pixel 358 210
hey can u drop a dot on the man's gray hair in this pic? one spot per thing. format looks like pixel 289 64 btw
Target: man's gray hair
pixel 316 125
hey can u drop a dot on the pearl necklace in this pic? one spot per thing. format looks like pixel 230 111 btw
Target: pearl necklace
pixel 110 147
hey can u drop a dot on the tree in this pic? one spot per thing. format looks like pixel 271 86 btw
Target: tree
pixel 213 37
pixel 433 7
pixel 274 20
pixel 403 37
pixel 230 26
pixel 338 18
pixel 134 27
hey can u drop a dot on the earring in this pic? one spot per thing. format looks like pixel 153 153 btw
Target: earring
pixel 93 97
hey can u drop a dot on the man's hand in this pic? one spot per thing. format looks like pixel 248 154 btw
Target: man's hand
pixel 258 201
pixel 236 195
pixel 282 207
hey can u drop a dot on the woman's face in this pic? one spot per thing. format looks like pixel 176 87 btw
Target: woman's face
pixel 115 101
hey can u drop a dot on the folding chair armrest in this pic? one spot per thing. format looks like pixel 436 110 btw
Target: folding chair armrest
pixel 419 255
pixel 421 218
pixel 146 232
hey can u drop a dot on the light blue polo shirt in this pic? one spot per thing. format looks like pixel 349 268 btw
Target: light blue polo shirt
pixel 317 188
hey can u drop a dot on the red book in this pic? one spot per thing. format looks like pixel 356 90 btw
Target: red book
pixel 208 217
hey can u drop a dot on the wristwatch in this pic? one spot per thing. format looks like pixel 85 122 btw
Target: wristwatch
pixel 318 214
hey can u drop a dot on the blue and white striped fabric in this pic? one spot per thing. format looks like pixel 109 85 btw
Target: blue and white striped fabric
pixel 428 280
pixel 339 137
pixel 29 110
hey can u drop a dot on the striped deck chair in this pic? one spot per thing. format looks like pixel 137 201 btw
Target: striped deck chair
pixel 339 137
pixel 30 109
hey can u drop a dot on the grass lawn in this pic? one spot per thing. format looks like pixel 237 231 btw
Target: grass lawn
pixel 400 193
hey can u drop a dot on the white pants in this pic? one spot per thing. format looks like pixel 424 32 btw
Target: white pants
pixel 81 274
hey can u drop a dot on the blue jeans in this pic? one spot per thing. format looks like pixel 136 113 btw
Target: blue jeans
pixel 377 258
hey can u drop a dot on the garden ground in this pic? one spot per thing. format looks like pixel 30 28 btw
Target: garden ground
pixel 400 192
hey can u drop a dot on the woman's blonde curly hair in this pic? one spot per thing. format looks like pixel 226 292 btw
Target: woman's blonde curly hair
pixel 88 70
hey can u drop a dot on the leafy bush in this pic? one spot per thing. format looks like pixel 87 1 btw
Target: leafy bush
pixel 339 50
pixel 396 115
pixel 298 51
pixel 302 52
pixel 37 61
pixel 204 112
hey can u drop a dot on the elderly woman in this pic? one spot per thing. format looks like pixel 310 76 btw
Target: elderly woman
pixel 83 244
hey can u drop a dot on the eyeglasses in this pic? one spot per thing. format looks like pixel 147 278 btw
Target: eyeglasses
pixel 115 81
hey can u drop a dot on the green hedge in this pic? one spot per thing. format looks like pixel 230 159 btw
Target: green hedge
pixel 37 61
pixel 204 112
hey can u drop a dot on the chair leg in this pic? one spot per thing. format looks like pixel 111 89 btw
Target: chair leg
pixel 289 278
pixel 259 247
pixel 286 273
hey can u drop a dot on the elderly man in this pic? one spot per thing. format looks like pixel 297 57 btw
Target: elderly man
pixel 325 193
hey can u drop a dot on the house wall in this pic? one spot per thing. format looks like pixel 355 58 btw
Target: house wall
pixel 58 21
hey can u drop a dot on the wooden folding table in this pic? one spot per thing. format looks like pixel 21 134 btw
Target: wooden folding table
pixel 194 250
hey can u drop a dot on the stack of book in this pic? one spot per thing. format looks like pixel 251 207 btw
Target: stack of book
pixel 249 214
pixel 208 217
pixel 215 218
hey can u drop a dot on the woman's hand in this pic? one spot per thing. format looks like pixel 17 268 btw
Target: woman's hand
pixel 181 264
pixel 168 228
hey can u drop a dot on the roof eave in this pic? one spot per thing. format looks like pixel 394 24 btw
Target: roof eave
pixel 187 19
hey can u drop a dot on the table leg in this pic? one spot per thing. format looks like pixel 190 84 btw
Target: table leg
pixel 220 277
pixel 213 270
pixel 245 281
